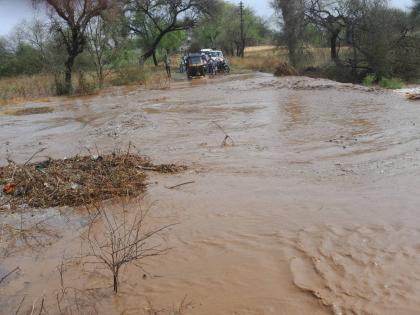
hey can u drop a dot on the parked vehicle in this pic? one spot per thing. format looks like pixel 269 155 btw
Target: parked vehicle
pixel 195 66
pixel 207 61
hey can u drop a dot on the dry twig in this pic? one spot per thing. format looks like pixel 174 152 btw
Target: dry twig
pixel 227 137
pixel 179 185
pixel 9 274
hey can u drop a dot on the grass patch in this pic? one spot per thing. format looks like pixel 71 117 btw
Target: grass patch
pixel 391 83
pixel 130 75
pixel 268 58
pixel 41 86
pixel 369 80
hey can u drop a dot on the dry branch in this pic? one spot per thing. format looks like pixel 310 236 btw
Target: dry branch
pixel 9 274
pixel 227 137
pixel 413 96
pixel 182 184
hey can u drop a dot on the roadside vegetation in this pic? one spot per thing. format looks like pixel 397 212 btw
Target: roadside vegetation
pixel 369 41
pixel 78 51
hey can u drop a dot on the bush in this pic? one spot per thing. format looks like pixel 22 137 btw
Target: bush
pixel 392 83
pixel 84 87
pixel 337 73
pixel 127 75
pixel 369 80
pixel 61 87
pixel 284 69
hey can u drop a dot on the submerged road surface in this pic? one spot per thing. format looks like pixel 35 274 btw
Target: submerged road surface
pixel 312 206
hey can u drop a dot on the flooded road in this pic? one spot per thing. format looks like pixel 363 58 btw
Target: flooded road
pixel 314 208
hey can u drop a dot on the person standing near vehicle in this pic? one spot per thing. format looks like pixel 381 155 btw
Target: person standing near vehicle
pixel 168 66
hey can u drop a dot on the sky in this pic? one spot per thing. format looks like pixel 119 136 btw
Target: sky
pixel 12 12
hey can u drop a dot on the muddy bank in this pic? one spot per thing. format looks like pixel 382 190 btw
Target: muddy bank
pixel 312 211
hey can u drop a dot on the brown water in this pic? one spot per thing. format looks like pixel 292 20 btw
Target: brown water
pixel 314 210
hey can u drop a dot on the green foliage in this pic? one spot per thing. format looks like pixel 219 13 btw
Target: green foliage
pixel 222 30
pixel 23 60
pixel 171 42
pixel 369 80
pixel 391 83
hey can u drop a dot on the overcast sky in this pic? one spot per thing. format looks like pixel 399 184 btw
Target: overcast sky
pixel 14 11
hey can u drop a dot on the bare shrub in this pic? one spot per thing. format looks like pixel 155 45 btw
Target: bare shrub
pixel 122 239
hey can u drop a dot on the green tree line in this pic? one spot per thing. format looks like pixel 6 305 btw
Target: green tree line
pixel 104 36
pixel 364 37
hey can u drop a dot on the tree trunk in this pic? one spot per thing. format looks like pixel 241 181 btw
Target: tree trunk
pixel 101 76
pixel 333 45
pixel 68 73
pixel 155 59
pixel 242 49
pixel 152 50
pixel 115 283
pixel 238 50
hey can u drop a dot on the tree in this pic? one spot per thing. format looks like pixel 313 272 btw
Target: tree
pixel 329 16
pixel 377 34
pixel 223 30
pixel 123 240
pixel 293 23
pixel 106 39
pixel 70 19
pixel 415 9
pixel 36 33
pixel 152 20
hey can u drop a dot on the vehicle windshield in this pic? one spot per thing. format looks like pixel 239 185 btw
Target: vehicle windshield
pixel 195 60
pixel 216 54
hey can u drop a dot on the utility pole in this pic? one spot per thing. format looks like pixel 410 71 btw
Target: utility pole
pixel 242 48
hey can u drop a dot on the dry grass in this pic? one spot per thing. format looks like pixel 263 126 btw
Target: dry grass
pixel 259 48
pixel 18 89
pixel 284 69
pixel 268 58
pixel 41 86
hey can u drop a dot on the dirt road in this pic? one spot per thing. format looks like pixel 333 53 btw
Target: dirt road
pixel 314 209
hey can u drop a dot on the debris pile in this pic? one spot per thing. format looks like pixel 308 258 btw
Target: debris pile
pixel 413 96
pixel 76 181
pixel 284 69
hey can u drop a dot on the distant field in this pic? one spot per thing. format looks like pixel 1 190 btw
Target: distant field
pixel 259 48
pixel 267 58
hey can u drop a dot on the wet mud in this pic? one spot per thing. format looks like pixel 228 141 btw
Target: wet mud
pixel 313 210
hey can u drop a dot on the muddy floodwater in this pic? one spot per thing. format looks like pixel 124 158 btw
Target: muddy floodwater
pixel 311 207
